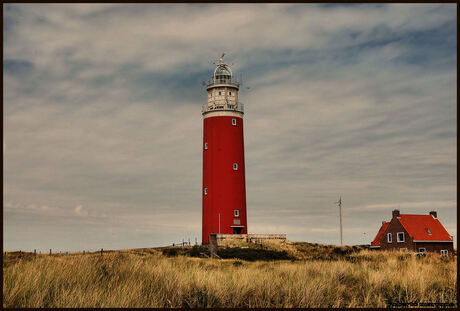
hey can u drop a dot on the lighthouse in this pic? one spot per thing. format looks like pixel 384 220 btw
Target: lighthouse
pixel 224 187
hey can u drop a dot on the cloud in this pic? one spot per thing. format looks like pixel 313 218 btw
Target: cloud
pixel 102 109
pixel 80 211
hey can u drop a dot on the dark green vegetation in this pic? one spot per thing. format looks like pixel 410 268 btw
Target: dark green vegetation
pixel 249 254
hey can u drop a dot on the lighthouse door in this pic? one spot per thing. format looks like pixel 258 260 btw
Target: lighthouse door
pixel 236 230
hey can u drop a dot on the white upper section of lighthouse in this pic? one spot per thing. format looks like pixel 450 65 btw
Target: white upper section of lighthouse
pixel 222 92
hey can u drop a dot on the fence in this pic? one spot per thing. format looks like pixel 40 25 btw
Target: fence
pixel 93 251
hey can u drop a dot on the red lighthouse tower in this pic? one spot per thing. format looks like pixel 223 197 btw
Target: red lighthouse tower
pixel 224 188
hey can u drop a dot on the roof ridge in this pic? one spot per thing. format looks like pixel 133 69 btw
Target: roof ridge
pixel 414 215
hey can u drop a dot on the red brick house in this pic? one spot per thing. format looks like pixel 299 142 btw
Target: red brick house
pixel 418 233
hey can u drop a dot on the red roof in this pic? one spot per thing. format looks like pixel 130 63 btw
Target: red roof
pixel 416 226
pixel 376 241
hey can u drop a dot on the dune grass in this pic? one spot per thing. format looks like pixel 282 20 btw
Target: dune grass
pixel 147 278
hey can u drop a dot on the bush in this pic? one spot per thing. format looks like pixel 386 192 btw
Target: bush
pixel 197 251
pixel 341 251
pixel 251 254
pixel 170 252
pixel 237 263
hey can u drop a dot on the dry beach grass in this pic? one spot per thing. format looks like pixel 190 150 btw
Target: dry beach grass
pixel 147 278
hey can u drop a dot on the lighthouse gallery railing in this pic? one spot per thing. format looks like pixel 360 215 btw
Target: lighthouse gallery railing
pixel 235 107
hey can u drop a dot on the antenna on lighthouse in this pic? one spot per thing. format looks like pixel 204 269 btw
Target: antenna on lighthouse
pixel 339 202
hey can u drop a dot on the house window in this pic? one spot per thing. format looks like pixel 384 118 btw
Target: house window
pixel 389 238
pixel 236 221
pixel 444 252
pixel 236 213
pixel 422 250
pixel 205 191
pixel 233 121
pixel 206 146
pixel 400 237
pixel 403 249
pixel 235 166
pixel 428 231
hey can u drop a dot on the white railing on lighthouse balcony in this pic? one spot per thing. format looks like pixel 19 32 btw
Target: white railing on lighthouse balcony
pixel 217 82
pixel 224 106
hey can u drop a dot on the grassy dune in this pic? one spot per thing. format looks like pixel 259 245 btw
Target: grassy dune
pixel 148 278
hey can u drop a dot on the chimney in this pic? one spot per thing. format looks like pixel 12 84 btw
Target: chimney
pixel 396 213
pixel 434 214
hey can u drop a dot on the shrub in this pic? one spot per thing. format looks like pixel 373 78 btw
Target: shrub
pixel 237 263
pixel 170 252
pixel 252 254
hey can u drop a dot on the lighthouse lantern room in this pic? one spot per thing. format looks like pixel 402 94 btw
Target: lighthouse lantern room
pixel 224 188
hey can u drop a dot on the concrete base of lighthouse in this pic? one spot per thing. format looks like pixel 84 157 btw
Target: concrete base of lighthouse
pixel 240 240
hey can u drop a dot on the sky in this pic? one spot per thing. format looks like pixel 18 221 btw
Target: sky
pixel 102 131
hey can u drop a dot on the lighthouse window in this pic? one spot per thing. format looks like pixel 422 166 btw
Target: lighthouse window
pixel 230 93
pixel 205 191
pixel 235 166
pixel 220 93
pixel 233 121
pixel 236 213
pixel 206 146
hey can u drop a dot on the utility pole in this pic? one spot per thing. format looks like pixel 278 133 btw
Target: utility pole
pixel 339 202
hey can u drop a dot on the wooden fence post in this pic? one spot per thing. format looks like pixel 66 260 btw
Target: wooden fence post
pixel 50 251
pixel 101 251
pixel 35 252
pixel 83 252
